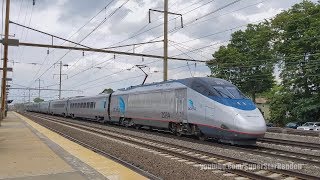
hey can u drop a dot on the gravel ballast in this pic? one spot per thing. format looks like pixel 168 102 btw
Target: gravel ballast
pixel 172 169
pixel 155 164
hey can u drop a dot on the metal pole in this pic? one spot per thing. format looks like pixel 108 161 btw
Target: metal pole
pixel 60 80
pixel 165 42
pixel 29 95
pixel 5 61
pixel 39 89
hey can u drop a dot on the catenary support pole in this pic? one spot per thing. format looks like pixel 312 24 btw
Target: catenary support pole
pixel 165 42
pixel 5 62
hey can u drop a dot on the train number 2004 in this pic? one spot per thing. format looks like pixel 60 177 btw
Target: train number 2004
pixel 165 115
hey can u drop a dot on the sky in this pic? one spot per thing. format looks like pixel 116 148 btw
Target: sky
pixel 108 23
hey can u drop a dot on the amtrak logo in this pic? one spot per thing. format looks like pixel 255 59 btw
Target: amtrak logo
pixel 190 105
pixel 122 105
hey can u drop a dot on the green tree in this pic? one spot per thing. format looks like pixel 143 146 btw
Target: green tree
pixel 297 45
pixel 108 91
pixel 287 106
pixel 247 61
pixel 281 104
pixel 37 100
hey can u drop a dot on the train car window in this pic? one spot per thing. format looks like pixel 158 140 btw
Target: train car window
pixel 91 105
pixel 200 89
pixel 235 92
pixel 223 92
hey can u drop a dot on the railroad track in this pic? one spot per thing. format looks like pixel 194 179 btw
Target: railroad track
pixel 102 152
pixel 258 150
pixel 190 156
pixel 305 145
pixel 293 131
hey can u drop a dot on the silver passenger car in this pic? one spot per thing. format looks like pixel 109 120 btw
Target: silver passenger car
pixel 94 107
pixel 58 107
pixel 153 105
pixel 44 107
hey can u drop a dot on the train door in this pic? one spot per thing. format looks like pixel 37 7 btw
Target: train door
pixel 180 102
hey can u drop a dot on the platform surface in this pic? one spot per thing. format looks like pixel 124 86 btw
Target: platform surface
pixel 30 151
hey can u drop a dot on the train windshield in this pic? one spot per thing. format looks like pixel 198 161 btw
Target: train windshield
pixel 229 92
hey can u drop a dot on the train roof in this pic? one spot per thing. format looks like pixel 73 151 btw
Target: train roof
pixel 206 80
pixel 187 82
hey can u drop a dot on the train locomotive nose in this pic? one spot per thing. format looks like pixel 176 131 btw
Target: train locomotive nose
pixel 250 124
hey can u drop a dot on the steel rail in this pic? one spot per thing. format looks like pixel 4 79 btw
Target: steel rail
pixel 235 171
pixel 289 142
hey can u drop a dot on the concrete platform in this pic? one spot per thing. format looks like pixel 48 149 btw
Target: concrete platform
pixel 30 151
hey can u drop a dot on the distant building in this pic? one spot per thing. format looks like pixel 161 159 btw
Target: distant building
pixel 263 105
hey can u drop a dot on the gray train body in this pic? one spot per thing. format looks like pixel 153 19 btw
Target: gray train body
pixel 94 107
pixel 204 107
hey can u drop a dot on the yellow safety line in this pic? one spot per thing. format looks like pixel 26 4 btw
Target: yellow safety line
pixel 109 168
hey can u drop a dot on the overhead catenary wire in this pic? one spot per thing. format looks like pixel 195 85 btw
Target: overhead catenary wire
pixel 94 86
pixel 174 30
pixel 97 79
pixel 218 9
pixel 95 28
pixel 87 34
pixel 76 32
pixel 137 33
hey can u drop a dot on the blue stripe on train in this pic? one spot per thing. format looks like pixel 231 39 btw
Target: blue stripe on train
pixel 243 104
